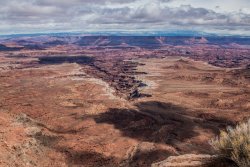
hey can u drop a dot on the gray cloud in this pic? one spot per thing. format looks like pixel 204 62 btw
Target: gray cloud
pixel 81 15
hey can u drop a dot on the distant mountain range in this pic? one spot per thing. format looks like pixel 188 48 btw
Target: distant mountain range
pixel 124 33
pixel 151 41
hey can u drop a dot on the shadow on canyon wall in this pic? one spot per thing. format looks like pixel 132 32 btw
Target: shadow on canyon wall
pixel 48 60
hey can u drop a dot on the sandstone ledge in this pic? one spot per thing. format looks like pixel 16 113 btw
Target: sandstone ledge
pixel 195 160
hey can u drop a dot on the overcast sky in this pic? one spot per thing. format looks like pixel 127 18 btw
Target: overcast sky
pixel 216 16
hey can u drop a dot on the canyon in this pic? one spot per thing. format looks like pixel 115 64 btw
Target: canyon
pixel 78 100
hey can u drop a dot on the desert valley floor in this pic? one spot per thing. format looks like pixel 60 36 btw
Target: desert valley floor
pixel 66 112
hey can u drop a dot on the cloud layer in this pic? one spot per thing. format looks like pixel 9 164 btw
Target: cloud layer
pixel 30 16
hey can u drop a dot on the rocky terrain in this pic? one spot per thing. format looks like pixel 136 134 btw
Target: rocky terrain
pixel 113 101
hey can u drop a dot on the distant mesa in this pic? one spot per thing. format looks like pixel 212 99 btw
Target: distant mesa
pixel 5 48
pixel 55 42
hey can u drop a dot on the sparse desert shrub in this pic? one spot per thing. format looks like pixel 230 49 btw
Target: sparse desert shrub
pixel 234 143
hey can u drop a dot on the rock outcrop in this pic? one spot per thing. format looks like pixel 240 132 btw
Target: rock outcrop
pixel 195 160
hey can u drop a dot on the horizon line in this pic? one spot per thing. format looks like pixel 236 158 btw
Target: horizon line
pixel 183 33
